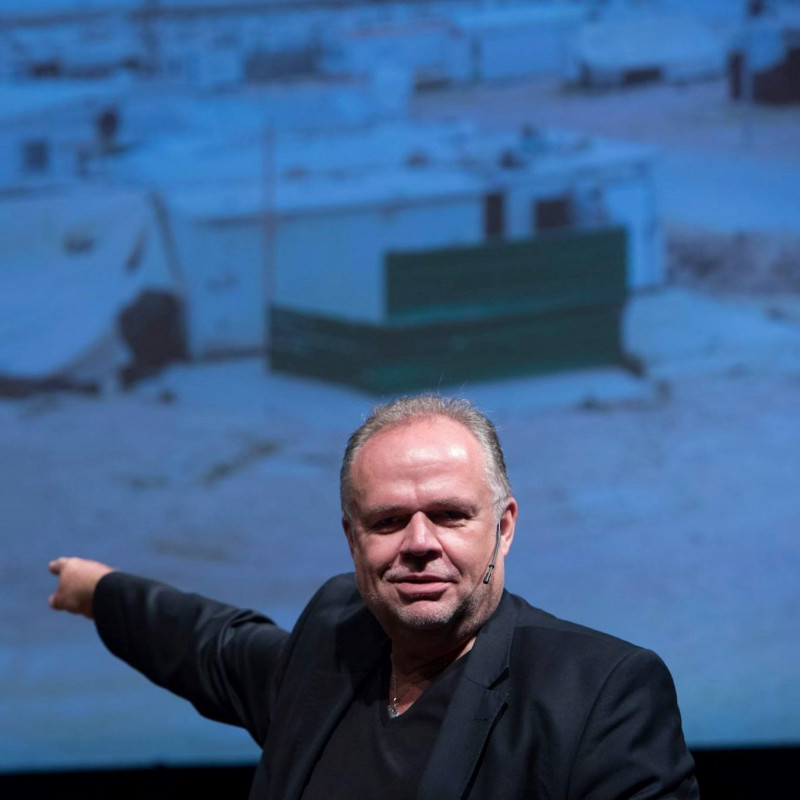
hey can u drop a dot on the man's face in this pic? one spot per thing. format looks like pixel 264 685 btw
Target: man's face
pixel 422 529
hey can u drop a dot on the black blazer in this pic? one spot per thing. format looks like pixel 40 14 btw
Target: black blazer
pixel 544 709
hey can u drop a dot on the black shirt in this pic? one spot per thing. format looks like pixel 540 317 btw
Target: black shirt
pixel 371 755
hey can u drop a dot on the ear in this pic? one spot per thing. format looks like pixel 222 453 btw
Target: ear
pixel 508 523
pixel 349 533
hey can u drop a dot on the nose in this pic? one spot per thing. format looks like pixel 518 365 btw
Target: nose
pixel 420 537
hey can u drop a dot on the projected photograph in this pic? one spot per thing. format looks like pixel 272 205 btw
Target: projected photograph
pixel 229 230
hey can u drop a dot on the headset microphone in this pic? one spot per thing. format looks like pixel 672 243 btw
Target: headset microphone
pixel 488 575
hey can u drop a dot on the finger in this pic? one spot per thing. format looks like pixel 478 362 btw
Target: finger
pixel 57 565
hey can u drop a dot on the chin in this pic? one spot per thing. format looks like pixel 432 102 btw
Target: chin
pixel 417 615
pixel 424 619
pixel 428 615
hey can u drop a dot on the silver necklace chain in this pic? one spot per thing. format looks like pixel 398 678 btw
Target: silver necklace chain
pixel 392 707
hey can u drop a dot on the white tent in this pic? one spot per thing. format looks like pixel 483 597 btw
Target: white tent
pixel 70 263
pixel 613 52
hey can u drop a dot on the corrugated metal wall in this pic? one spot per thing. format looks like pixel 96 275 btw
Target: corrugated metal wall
pixel 473 313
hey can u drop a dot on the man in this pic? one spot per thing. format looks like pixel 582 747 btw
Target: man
pixel 422 678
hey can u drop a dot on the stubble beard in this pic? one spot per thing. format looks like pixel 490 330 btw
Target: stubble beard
pixel 461 616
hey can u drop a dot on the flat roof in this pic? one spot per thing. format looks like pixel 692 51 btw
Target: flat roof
pixel 499 18
pixel 235 185
pixel 25 99
pixel 398 28
pixel 649 39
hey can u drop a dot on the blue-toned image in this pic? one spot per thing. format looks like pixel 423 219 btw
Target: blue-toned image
pixel 229 229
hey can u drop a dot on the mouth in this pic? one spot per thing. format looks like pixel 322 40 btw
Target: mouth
pixel 420 586
pixel 419 577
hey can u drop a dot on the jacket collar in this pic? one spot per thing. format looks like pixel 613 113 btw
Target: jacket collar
pixel 359 645
pixel 480 696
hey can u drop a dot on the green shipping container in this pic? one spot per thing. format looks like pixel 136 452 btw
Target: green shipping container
pixel 463 314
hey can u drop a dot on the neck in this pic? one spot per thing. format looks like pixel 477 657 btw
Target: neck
pixel 418 648
pixel 418 660
pixel 413 672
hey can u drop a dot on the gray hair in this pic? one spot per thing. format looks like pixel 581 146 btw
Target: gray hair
pixel 404 410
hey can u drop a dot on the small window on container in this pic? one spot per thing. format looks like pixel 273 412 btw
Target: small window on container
pixel 552 213
pixel 35 156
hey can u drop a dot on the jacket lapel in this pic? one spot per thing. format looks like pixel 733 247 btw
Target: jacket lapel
pixel 326 699
pixel 479 697
pixel 360 644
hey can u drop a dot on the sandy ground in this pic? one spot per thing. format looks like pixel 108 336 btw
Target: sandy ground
pixel 667 515
pixel 664 510
pixel 696 117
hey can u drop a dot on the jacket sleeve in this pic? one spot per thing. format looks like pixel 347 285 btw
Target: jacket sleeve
pixel 632 747
pixel 222 659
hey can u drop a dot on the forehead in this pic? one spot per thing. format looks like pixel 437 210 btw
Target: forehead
pixel 422 432
pixel 426 451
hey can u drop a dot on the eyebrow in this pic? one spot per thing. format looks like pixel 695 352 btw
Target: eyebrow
pixel 437 505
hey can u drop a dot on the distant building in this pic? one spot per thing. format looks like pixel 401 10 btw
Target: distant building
pixel 220 44
pixel 511 42
pixel 52 41
pixel 208 44
pixel 459 44
pixel 764 65
pixel 50 132
pixel 433 51
pixel 618 51
pixel 401 255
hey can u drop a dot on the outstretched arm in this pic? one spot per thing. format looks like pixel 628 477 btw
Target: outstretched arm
pixel 77 580
pixel 222 659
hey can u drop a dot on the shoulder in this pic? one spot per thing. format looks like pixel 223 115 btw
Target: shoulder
pixel 565 653
pixel 535 624
pixel 336 597
pixel 334 632
pixel 608 707
pixel 336 614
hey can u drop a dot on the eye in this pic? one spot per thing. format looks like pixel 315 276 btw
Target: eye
pixel 448 516
pixel 387 524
